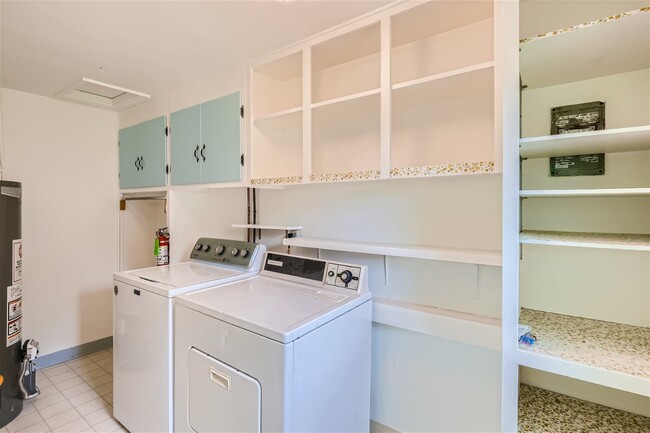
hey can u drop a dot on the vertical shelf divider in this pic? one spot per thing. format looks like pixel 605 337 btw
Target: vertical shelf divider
pixel 386 93
pixel 306 114
pixel 506 70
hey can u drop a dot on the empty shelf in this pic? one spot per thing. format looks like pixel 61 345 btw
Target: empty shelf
pixel 616 241
pixel 480 257
pixel 602 47
pixel 605 141
pixel 542 411
pixel 453 325
pixel 346 98
pixel 266 227
pixel 278 115
pixel 610 192
pixel 606 353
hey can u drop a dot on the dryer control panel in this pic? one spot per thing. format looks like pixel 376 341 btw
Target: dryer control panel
pixel 316 272
pixel 346 276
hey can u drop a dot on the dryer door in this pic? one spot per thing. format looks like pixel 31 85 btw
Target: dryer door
pixel 220 398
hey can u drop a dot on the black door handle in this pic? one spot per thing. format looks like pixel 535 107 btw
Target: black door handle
pixel 142 162
pixel 202 155
pixel 136 164
pixel 195 151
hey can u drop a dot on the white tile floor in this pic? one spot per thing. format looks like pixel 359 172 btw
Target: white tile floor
pixel 76 396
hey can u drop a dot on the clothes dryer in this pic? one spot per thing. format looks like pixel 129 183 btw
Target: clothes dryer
pixel 143 326
pixel 287 350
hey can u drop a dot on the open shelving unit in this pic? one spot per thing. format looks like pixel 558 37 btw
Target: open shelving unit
pixel 346 139
pixel 347 65
pixel 442 82
pixel 409 92
pixel 604 350
pixel 277 121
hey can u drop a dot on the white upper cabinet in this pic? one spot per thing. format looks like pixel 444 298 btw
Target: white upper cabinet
pixel 407 92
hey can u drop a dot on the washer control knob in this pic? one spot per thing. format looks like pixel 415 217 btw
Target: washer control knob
pixel 345 276
pixel 330 274
pixel 206 248
pixel 234 251
pixel 198 247
pixel 219 250
pixel 243 252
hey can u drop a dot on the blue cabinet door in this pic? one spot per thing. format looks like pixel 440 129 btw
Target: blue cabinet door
pixel 186 146
pixel 152 152
pixel 220 136
pixel 129 157
pixel 142 154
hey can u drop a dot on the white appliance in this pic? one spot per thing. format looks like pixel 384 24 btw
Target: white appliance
pixel 285 351
pixel 143 326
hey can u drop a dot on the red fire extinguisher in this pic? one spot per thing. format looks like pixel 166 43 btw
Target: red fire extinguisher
pixel 161 247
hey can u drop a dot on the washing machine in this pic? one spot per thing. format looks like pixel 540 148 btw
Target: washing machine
pixel 143 326
pixel 285 351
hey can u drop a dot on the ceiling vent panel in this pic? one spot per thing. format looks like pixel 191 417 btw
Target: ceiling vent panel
pixel 98 94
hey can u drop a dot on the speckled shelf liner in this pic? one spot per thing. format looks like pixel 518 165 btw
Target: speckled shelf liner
pixel 601 238
pixel 444 169
pixel 608 345
pixel 276 180
pixel 350 175
pixel 542 411
pixel 584 25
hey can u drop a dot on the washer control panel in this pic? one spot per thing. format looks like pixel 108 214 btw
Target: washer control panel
pixel 344 276
pixel 239 253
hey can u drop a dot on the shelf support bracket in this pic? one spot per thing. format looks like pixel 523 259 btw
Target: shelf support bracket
pixel 477 295
pixel 385 270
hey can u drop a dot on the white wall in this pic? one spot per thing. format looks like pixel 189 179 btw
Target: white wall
pixel 66 157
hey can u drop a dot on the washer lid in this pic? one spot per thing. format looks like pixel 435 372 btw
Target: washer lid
pixel 280 310
pixel 179 278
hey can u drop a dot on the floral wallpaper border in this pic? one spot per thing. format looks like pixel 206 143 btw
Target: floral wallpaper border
pixel 584 25
pixel 444 169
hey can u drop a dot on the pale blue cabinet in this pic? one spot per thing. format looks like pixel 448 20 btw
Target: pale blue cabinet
pixel 206 142
pixel 143 161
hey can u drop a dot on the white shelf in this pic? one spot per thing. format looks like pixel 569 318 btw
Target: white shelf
pixel 266 227
pixel 559 193
pixel 631 139
pixel 346 98
pixel 443 75
pixel 479 257
pixel 466 328
pixel 441 87
pixel 542 411
pixel 278 114
pixel 606 353
pixel 615 241
pixel 588 51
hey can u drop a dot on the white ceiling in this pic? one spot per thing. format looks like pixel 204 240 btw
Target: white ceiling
pixel 151 46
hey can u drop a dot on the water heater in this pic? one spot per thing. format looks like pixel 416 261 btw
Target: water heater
pixel 11 298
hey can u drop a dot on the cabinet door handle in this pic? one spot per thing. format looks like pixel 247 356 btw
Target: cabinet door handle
pixel 137 167
pixel 195 151
pixel 142 162
pixel 202 154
